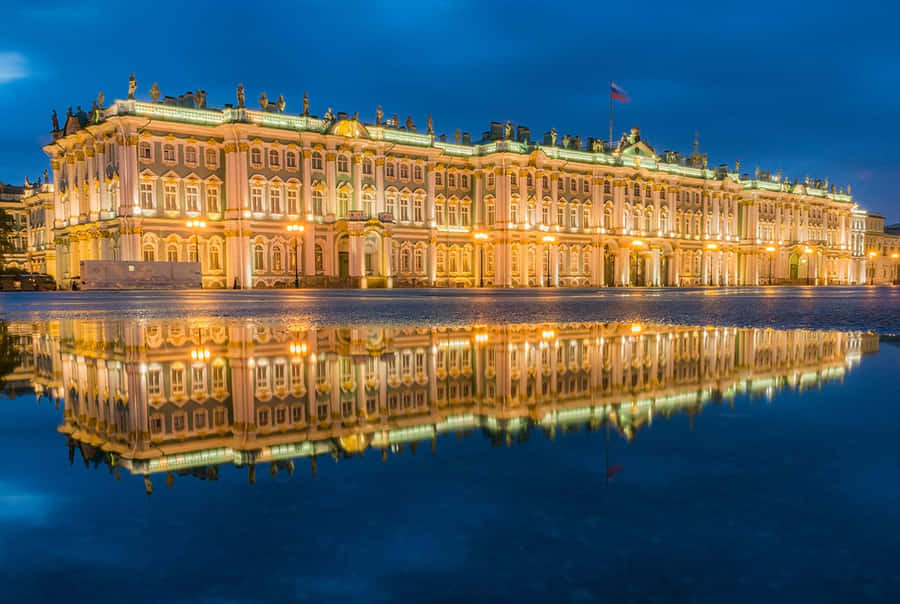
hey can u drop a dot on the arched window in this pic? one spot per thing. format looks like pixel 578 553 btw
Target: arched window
pixel 490 212
pixel 256 157
pixel 491 179
pixel 343 164
pixel 276 259
pixel 648 220
pixel 215 258
pixel 259 257
pixel 417 172
pixel 419 260
pixel 149 253
pixel 607 217
pixel 343 202
pixel 316 160
pixel 586 217
pixel 172 253
pixel 418 208
pixel 211 158
pixel 389 170
pixel 390 202
pixel 212 199
pixel 453 261
pixel 404 171
pixel 256 198
pixel 290 159
pixel 367 166
pixel 169 153
pixel 146 152
pixel 190 155
pixel 274 159
pixel 368 199
pixel 405 260
pixel 440 261
pixel 318 203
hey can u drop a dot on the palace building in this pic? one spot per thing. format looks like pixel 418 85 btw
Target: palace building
pixel 175 396
pixel 263 199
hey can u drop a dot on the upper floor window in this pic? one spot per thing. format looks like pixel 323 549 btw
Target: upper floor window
pixel 464 181
pixel 343 164
pixel 367 167
pixel 145 152
pixel 607 187
pixel 169 153
pixel 211 158
pixel 170 196
pixel 417 172
pixel 212 199
pixel 451 180
pixel 290 159
pixel 389 170
pixel 586 186
pixel 146 195
pixel 274 159
pixel 190 155
pixel 491 179
pixel 316 160
pixel 438 179
pixel 256 157
pixel 192 198
pixel 404 171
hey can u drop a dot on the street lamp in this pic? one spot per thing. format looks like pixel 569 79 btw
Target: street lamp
pixel 771 251
pixel 296 229
pixel 871 268
pixel 551 239
pixel 481 237
pixel 807 252
pixel 195 226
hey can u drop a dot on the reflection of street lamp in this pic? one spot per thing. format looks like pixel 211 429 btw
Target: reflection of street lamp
pixel 481 237
pixel 771 251
pixel 196 225
pixel 296 229
pixel 807 252
pixel 871 269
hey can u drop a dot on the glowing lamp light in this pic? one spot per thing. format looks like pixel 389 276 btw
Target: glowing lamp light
pixel 547 334
pixel 481 338
pixel 895 256
pixel 712 246
pixel 548 238
pixel 309 217
pixel 636 328
pixel 481 236
pixel 807 251
pixel 637 243
pixel 200 354
pixel 298 228
pixel 872 254
pixel 770 249
pixel 298 348
pixel 196 224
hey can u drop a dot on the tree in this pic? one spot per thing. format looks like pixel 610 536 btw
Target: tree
pixel 9 354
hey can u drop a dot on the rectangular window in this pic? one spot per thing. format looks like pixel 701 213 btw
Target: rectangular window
pixel 464 215
pixel 147 195
pixel 218 377
pixel 212 199
pixel 275 200
pixel 256 198
pixel 154 382
pixel 192 198
pixel 198 379
pixel 170 196
pixel 292 201
pixel 177 377
pixel 211 159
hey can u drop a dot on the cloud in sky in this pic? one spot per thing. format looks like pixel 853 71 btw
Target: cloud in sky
pixel 13 66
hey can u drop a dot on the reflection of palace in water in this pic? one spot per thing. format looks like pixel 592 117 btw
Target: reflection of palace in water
pixel 186 397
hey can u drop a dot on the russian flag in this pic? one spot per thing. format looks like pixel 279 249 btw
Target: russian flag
pixel 616 92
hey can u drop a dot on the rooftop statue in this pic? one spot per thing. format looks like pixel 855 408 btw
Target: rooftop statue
pixel 430 125
pixel 329 115
pixel 507 130
pixel 379 115
pixel 200 99
pixel 46 175
pixel 395 121
pixel 597 146
pixel 132 86
pixel 154 92
pixel 457 136
pixel 356 116
pixel 756 173
pixel 100 99
pixel 565 141
pixel 280 103
pixel 305 104
pixel 240 95
pixel 409 124
pixel 263 101
pixel 737 166
pixel 553 136
pixel 55 119
pixel 578 142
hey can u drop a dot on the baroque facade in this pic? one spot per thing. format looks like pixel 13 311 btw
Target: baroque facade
pixel 189 396
pixel 265 199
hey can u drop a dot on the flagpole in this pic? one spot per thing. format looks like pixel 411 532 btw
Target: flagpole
pixel 610 115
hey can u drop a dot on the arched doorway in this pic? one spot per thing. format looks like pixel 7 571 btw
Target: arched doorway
pixel 372 256
pixel 609 267
pixel 664 271
pixel 343 257
pixel 795 267
pixel 638 273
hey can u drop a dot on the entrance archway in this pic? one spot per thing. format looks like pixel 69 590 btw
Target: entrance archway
pixel 638 272
pixel 609 267
pixel 795 267
pixel 664 271
pixel 343 257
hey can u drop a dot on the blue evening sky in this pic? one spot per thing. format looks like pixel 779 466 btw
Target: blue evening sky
pixel 809 88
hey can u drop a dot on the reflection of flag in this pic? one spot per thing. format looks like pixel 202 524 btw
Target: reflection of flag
pixel 616 92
